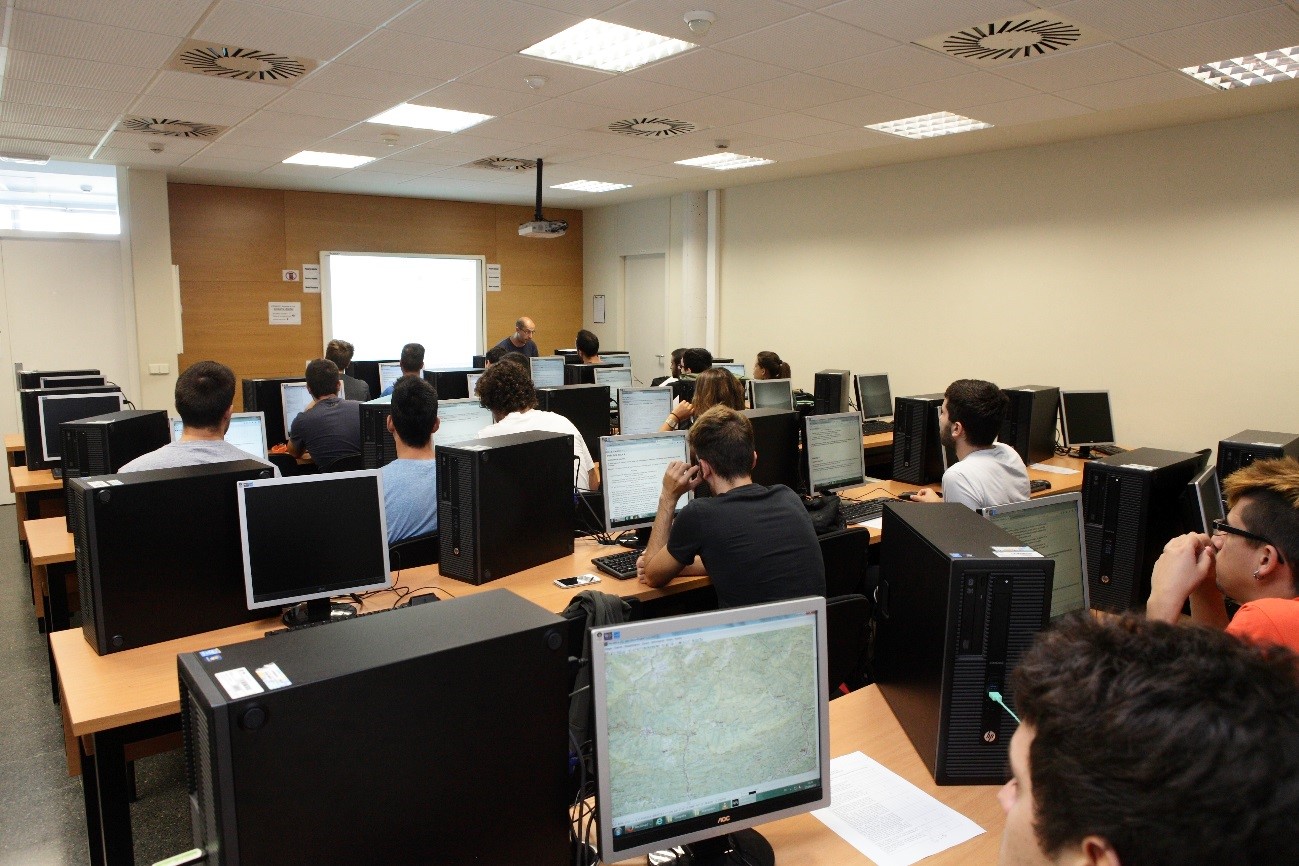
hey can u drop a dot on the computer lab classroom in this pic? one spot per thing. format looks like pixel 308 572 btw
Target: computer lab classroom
pixel 1120 227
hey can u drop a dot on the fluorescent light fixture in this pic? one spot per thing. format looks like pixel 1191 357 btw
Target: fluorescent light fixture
pixel 725 161
pixel 1263 68
pixel 331 160
pixel 930 125
pixel 24 158
pixel 611 47
pixel 428 117
pixel 591 186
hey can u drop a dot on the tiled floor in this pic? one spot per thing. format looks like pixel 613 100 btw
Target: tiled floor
pixel 42 817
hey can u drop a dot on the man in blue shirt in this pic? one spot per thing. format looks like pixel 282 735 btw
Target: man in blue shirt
pixel 412 364
pixel 521 339
pixel 410 499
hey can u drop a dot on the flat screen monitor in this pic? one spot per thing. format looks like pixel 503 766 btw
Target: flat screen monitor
pixel 622 358
pixel 547 372
pixel 1052 526
pixel 631 470
pixel 614 377
pixel 247 431
pixel 31 379
pixel 736 370
pixel 460 420
pixel 643 410
pixel 833 447
pixel 295 398
pixel 54 408
pixel 290 528
pixel 1208 499
pixel 389 373
pixel 771 394
pixel 708 724
pixel 471 383
pixel 71 381
pixel 873 397
pixel 1085 418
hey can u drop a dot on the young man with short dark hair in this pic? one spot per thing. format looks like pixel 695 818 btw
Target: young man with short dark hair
pixel 1146 744
pixel 411 361
pixel 410 500
pixel 329 428
pixel 340 352
pixel 755 543
pixel 588 347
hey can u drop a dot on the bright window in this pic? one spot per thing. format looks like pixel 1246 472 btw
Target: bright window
pixel 61 198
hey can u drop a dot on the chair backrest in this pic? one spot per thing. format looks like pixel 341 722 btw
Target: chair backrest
pixel 845 553
pixel 346 463
pixel 286 463
pixel 413 551
pixel 847 626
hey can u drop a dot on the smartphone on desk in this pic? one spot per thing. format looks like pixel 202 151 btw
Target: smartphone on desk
pixel 576 580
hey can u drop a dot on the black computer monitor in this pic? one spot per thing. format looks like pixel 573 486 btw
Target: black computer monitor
pixel 751 682
pixel 547 372
pixel 771 394
pixel 874 400
pixel 643 410
pixel 367 372
pixel 247 430
pixel 31 379
pixel 460 420
pixel 833 450
pixel 310 537
pixel 1053 527
pixel 631 476
pixel 1085 420
pixel 453 384
pixel 1205 494
pixel 775 438
pixel 44 409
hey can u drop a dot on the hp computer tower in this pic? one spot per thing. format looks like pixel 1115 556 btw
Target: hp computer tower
pixel 104 444
pixel 587 406
pixel 158 553
pixel 955 617
pixel 263 395
pixel 378 448
pixel 454 715
pixel 1029 427
pixel 831 389
pixel 917 451
pixel 1131 508
pixel 504 504
pixel 1237 452
pixel 775 438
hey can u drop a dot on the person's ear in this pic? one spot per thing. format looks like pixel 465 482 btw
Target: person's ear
pixel 1095 851
pixel 387 422
pixel 755 461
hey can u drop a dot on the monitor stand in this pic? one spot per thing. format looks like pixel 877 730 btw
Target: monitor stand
pixel 741 848
pixel 642 538
pixel 1084 452
pixel 315 611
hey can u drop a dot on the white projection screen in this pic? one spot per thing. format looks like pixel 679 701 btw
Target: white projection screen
pixel 381 301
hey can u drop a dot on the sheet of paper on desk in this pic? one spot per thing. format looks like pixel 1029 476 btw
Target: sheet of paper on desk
pixel 873 523
pixel 886 817
pixel 1058 470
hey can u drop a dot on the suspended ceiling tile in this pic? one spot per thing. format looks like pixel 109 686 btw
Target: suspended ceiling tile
pixel 480 100
pixel 509 72
pixel 23 92
pixel 907 22
pixel 361 83
pixel 567 114
pixel 734 18
pixel 1094 65
pixel 51 69
pixel 328 105
pixel 434 61
pixel 632 96
pixel 65 37
pixel 975 88
pixel 174 17
pixel 868 109
pixel 501 25
pixel 788 127
pixel 850 140
pixel 66 118
pixel 183 109
pixel 796 92
pixel 720 111
pixel 1276 27
pixel 893 68
pixel 222 91
pixel 371 13
pixel 709 71
pixel 1124 19
pixel 523 133
pixel 1029 109
pixel 249 25
pixel 1160 87
pixel 41 136
pixel 804 42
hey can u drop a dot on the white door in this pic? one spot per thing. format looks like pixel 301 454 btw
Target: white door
pixel 645 306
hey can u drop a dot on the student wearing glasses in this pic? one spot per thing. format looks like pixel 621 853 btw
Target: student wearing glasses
pixel 1249 557
pixel 521 339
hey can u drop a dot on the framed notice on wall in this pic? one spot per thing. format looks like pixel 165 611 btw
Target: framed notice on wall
pixel 597 309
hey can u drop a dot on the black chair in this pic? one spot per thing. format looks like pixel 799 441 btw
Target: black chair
pixel 416 550
pixel 847 627
pixel 346 463
pixel 845 554
pixel 286 463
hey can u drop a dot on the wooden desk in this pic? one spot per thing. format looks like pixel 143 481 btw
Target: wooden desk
pixel 53 567
pixel 15 453
pixel 34 494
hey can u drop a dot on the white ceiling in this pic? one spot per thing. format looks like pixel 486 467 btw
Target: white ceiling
pixel 792 81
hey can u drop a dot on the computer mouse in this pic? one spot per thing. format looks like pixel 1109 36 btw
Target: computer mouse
pixel 908 496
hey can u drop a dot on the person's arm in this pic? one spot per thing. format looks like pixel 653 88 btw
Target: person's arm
pixel 1186 570
pixel 679 413
pixel 925 494
pixel 657 567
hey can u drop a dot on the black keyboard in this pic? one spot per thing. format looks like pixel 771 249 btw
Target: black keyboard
pixel 1108 450
pixel 1037 485
pixel 621 566
pixel 874 426
pixel 859 510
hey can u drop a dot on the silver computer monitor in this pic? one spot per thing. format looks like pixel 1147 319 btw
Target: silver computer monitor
pixel 709 723
pixel 547 372
pixel 771 394
pixel 247 431
pixel 1085 418
pixel 736 369
pixel 631 476
pixel 1207 494
pixel 1052 526
pixel 389 373
pixel 833 448
pixel 614 377
pixel 294 398
pixel 643 410
pixel 54 409
pixel 873 397
pixel 622 358
pixel 460 420
pixel 471 381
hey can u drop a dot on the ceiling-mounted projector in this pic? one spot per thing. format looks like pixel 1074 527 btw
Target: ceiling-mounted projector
pixel 540 227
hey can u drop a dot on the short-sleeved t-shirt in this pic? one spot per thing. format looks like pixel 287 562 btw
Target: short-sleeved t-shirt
pixel 538 420
pixel 190 452
pixel 757 544
pixel 329 430
pixel 410 498
pixel 529 348
pixel 1268 621
pixel 989 476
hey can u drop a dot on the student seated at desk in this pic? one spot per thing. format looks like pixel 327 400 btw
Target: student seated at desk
pixel 494 356
pixel 329 428
pixel 675 370
pixel 506 391
pixel 715 386
pixel 410 492
pixel 588 347
pixel 769 366
pixel 411 361
pixel 205 396
pixel 340 352
pixel 755 543
pixel 988 472
pixel 1146 744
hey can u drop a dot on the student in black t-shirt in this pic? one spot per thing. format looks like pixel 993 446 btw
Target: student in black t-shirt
pixel 756 543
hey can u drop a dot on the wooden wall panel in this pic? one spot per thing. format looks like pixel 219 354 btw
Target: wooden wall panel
pixel 231 244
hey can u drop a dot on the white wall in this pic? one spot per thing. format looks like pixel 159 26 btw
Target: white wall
pixel 1159 265
pixel 609 234
pixel 147 236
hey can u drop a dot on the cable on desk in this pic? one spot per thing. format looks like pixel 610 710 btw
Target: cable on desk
pixel 875 489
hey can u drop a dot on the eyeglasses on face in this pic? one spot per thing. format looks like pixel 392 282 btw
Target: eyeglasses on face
pixel 1222 527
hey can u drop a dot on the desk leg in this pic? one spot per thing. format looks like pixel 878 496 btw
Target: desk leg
pixel 57 616
pixel 90 792
pixel 20 509
pixel 112 785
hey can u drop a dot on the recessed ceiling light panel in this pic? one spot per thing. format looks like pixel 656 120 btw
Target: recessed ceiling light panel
pixel 234 63
pixel 930 125
pixel 725 161
pixel 1263 68
pixel 329 160
pixel 428 117
pixel 591 186
pixel 611 47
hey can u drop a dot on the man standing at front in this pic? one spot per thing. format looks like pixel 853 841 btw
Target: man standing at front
pixel 521 339
pixel 755 543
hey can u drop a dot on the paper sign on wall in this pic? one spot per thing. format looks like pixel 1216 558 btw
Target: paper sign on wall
pixel 290 276
pixel 493 278
pixel 285 312
pixel 311 278
pixel 597 309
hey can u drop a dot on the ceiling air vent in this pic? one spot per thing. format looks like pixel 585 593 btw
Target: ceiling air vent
pixel 503 163
pixel 652 127
pixel 170 128
pixel 1013 39
pixel 239 64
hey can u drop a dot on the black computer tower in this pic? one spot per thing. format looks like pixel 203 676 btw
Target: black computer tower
pixel 29 402
pixel 917 451
pixel 452 384
pixel 831 389
pixel 582 374
pixel 955 617
pixel 775 438
pixel 1131 508
pixel 570 356
pixel 159 553
pixel 263 395
pixel 1029 426
pixel 105 443
pixel 587 406
pixel 504 504
pixel 378 447
pixel 454 715
pixel 1237 452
